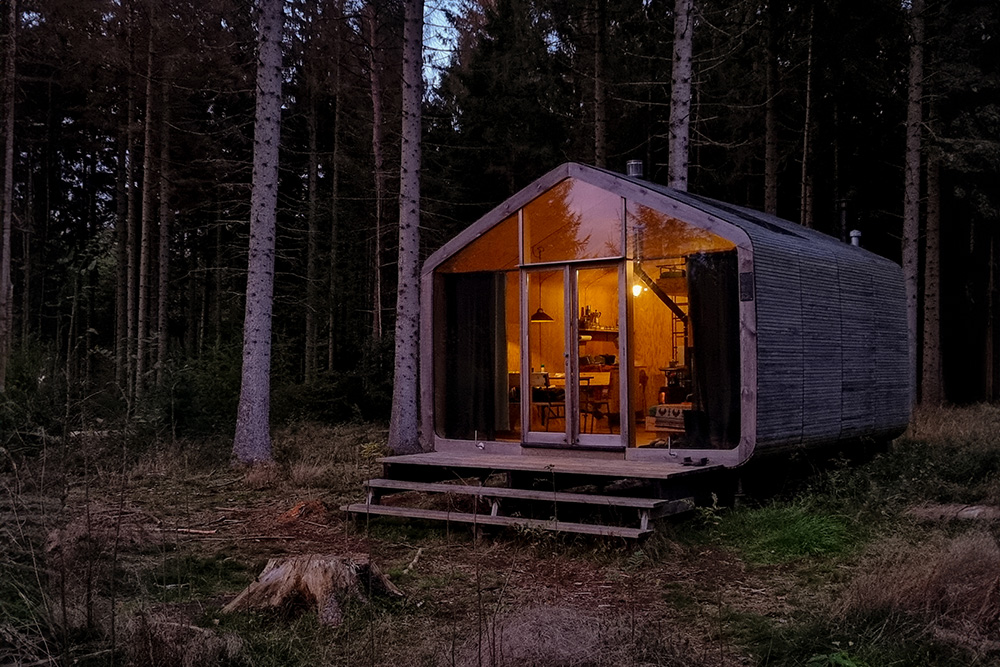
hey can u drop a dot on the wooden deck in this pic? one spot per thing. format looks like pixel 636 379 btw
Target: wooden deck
pixel 599 467
pixel 660 489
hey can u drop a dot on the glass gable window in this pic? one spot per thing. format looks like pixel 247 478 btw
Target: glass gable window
pixel 682 367
pixel 477 339
pixel 573 220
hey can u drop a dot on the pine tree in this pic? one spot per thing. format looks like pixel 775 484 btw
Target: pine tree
pixel 911 200
pixel 7 194
pixel 404 425
pixel 680 94
pixel 252 444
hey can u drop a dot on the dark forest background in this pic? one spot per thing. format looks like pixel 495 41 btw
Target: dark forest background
pixel 133 131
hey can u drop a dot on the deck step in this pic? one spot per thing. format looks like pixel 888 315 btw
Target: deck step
pixel 489 520
pixel 656 507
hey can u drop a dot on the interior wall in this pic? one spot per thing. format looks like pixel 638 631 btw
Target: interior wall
pixel 651 345
pixel 546 339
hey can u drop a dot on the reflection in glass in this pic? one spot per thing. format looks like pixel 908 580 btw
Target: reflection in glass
pixel 478 343
pixel 495 250
pixel 573 220
pixel 653 234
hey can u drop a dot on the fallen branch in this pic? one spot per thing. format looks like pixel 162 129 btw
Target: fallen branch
pixel 189 531
pixel 413 563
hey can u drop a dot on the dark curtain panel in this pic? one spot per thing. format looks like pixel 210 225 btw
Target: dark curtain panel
pixel 713 284
pixel 474 350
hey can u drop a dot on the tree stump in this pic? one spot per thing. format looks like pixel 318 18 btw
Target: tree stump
pixel 322 580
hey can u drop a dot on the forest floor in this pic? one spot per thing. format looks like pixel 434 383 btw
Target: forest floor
pixel 115 552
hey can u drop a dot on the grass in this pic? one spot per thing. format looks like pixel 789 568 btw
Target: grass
pixel 828 569
pixel 781 533
pixel 194 576
pixel 858 641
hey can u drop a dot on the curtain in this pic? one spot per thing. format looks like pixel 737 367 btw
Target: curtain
pixel 475 368
pixel 713 288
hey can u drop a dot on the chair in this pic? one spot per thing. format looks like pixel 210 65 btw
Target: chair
pixel 550 401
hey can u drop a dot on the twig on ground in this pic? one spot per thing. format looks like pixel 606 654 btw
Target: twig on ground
pixel 188 531
pixel 413 562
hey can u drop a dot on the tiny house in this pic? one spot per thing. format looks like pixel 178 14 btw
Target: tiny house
pixel 597 313
pixel 598 346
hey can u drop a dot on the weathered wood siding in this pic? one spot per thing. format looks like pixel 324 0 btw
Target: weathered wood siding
pixel 831 334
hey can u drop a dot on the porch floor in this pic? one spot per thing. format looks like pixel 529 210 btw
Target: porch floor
pixel 559 465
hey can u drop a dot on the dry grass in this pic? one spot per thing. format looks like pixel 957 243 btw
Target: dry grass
pixel 153 639
pixel 263 476
pixel 563 636
pixel 950 583
pixel 335 458
pixel 969 427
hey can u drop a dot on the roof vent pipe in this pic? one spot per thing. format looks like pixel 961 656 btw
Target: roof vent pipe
pixel 633 168
pixel 856 237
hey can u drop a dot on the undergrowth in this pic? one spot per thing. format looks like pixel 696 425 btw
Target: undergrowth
pixel 827 568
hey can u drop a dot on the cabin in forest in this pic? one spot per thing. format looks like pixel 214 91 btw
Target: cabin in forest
pixel 596 324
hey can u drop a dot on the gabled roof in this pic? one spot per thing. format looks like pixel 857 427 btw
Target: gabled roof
pixel 758 227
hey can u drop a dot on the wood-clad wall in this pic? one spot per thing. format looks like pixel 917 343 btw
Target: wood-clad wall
pixel 831 340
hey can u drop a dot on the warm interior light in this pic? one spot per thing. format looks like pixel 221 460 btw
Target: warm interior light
pixel 541 316
pixel 636 289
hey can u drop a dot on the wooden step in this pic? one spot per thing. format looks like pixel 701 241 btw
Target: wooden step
pixel 655 506
pixel 490 520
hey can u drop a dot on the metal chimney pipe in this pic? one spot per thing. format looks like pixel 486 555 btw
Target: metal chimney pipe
pixel 856 237
pixel 633 168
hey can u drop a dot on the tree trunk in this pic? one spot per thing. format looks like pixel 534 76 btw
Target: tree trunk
pixel 121 255
pixel 992 356
pixel 91 274
pixel 26 265
pixel 216 303
pixel 932 381
pixel 166 214
pixel 375 79
pixel 7 203
pixel 131 260
pixel 71 340
pixel 252 443
pixel 771 116
pixel 680 95
pixel 911 194
pixel 312 271
pixel 806 208
pixel 600 97
pixel 146 233
pixel 404 431
pixel 331 345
